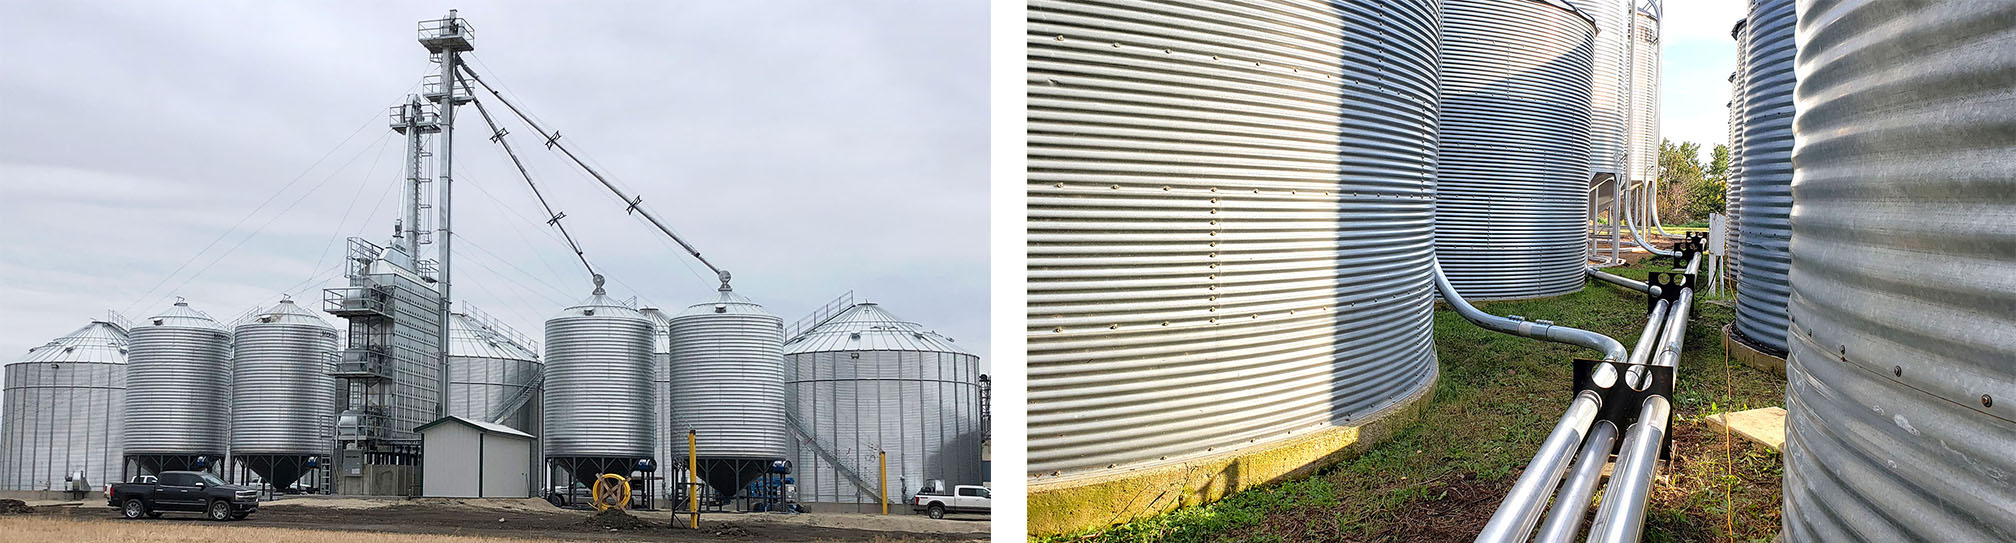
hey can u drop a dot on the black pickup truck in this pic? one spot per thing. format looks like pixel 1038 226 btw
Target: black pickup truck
pixel 187 491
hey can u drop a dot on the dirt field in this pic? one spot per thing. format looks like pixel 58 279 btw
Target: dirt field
pixel 463 521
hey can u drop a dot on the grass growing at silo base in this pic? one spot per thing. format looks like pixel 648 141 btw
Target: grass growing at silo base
pixel 1499 395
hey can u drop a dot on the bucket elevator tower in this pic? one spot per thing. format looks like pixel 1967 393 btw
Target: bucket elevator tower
pixel 394 369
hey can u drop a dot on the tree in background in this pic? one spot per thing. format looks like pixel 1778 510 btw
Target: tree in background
pixel 1711 194
pixel 1680 176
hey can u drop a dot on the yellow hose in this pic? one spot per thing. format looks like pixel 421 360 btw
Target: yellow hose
pixel 611 490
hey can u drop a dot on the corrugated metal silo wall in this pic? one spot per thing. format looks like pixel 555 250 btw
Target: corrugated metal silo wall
pixel 1733 194
pixel 62 411
pixel 1767 173
pixel 598 398
pixel 1512 194
pixel 283 400
pixel 1902 372
pixel 923 408
pixel 1230 222
pixel 178 389
pixel 1644 96
pixel 1610 98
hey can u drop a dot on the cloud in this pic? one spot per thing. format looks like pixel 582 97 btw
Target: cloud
pixel 809 147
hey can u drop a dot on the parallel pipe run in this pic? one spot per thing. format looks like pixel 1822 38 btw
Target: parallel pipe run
pixel 1640 237
pixel 1649 342
pixel 1622 281
pixel 1621 518
pixel 1523 506
pixel 1613 351
pixel 1572 502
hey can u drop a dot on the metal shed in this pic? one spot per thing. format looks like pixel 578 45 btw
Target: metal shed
pixel 499 469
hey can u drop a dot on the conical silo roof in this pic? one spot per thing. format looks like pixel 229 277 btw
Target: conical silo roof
pixel 286 312
pixel 99 342
pixel 868 327
pixel 471 339
pixel 181 315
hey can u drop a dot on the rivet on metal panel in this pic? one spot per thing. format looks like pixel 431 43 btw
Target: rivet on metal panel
pixel 1987 401
pixel 1897 370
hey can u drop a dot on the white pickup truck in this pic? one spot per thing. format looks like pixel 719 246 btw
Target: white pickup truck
pixel 961 499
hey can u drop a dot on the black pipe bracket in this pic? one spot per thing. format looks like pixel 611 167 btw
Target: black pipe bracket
pixel 1621 403
pixel 1670 283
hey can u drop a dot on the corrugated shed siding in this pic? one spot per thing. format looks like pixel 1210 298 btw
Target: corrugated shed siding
pixel 1902 372
pixel 1511 203
pixel 1230 222
pixel 1767 173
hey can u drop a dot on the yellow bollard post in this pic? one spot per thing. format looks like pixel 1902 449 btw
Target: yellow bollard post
pixel 693 477
pixel 882 458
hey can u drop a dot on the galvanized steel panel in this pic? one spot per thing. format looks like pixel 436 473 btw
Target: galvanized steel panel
pixel 62 410
pixel 178 384
pixel 1902 372
pixel 1645 92
pixel 486 369
pixel 1733 194
pixel 1767 174
pixel 851 375
pixel 1610 98
pixel 598 399
pixel 1511 200
pixel 1230 222
pixel 727 378
pixel 283 400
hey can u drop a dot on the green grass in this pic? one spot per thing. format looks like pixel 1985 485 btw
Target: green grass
pixel 1442 477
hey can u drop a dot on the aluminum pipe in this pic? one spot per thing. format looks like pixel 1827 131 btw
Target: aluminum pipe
pixel 1639 237
pixel 1522 507
pixel 1621 518
pixel 1572 502
pixel 1622 281
pixel 1613 351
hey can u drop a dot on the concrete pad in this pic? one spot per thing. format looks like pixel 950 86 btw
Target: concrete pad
pixel 1764 426
pixel 1750 355
pixel 1107 497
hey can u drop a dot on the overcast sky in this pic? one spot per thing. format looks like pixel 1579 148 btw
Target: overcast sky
pixel 809 147
pixel 1697 56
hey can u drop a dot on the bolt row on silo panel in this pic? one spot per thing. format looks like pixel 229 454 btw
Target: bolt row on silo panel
pixel 1767 174
pixel 1512 175
pixel 1230 224
pixel 1733 194
pixel 866 381
pixel 178 385
pixel 282 395
pixel 598 399
pixel 62 410
pixel 1610 98
pixel 727 383
pixel 1902 369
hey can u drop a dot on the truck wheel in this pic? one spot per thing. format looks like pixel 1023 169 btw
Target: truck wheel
pixel 937 511
pixel 220 510
pixel 134 509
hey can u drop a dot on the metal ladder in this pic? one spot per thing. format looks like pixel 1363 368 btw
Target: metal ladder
pixel 831 458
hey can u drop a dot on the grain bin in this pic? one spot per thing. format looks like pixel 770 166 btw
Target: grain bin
pixel 1645 95
pixel 62 410
pixel 492 371
pixel 1902 372
pixel 670 445
pixel 598 394
pixel 1733 194
pixel 727 383
pixel 1766 197
pixel 1511 217
pixel 1611 93
pixel 865 381
pixel 283 398
pixel 178 389
pixel 1231 226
